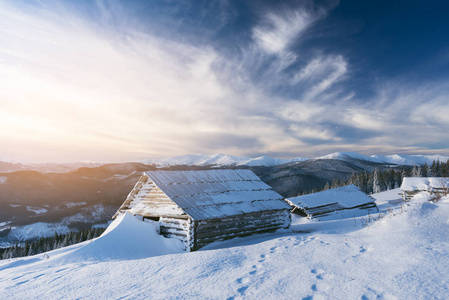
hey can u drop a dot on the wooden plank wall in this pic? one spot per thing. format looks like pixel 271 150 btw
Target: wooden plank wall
pixel 324 210
pixel 208 231
pixel 156 202
pixel 181 229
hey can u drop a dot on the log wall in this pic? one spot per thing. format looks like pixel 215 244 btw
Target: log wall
pixel 207 231
pixel 181 229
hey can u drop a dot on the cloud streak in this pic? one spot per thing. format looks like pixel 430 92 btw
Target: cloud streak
pixel 74 88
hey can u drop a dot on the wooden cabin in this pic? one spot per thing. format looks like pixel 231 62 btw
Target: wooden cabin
pixel 413 185
pixel 323 203
pixel 200 207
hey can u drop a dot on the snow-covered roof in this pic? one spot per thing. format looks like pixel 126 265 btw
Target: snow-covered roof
pixel 424 183
pixel 217 193
pixel 346 197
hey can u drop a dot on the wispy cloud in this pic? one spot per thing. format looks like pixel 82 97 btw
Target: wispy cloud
pixel 321 73
pixel 75 88
pixel 277 31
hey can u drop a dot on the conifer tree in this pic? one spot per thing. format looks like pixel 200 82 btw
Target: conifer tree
pixel 376 187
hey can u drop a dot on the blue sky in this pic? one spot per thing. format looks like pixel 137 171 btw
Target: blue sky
pixel 129 80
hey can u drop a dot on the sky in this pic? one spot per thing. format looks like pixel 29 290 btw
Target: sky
pixel 116 81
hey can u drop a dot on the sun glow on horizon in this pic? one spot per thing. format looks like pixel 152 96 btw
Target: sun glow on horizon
pixel 99 86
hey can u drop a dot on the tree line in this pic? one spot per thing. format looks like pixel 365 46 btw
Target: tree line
pixel 45 244
pixel 383 180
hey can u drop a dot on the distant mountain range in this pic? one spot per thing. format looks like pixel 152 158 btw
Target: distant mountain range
pixel 264 161
pixel 222 160
pixel 405 160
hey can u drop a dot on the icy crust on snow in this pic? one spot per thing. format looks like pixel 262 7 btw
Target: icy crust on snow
pixel 128 237
pixel 347 196
pixel 424 183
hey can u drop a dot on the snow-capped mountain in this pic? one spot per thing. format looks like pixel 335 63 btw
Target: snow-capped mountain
pixel 411 159
pixel 350 155
pixel 228 160
pixel 222 160
pixel 407 160
pixel 219 159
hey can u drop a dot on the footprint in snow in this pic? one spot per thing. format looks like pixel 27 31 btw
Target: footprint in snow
pixel 243 280
pixel 317 271
pixel 263 257
pixel 242 290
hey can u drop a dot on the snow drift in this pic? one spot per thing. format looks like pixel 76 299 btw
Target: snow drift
pixel 128 237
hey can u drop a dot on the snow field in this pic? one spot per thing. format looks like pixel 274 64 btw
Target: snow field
pixel 402 256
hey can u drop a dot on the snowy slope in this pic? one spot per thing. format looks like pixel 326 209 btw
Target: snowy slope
pixel 402 256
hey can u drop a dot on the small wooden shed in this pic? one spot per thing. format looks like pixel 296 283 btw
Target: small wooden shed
pixel 326 202
pixel 199 207
pixel 413 185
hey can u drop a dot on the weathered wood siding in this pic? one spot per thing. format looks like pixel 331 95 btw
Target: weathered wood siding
pixel 181 229
pixel 207 231
pixel 321 211
pixel 154 202
pixel 149 201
